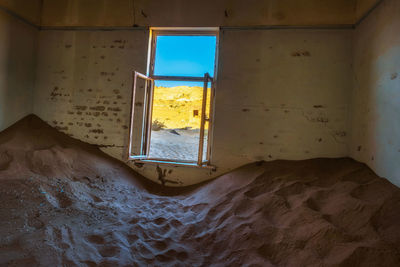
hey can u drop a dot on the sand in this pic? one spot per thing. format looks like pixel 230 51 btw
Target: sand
pixel 177 144
pixel 65 203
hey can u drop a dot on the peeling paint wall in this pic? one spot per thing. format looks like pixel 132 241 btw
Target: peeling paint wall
pixel 197 13
pixel 281 94
pixel 17 63
pixel 376 98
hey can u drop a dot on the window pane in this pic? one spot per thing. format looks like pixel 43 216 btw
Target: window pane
pixel 206 124
pixel 176 120
pixel 185 55
pixel 138 126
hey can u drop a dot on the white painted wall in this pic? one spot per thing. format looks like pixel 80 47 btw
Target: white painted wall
pixel 17 63
pixel 281 94
pixel 375 137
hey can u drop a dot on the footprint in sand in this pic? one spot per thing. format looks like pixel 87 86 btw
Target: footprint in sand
pixel 109 251
pixel 63 200
pixel 96 239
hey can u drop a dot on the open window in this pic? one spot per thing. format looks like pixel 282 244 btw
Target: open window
pixel 172 106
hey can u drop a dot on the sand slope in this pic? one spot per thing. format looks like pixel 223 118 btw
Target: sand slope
pixel 64 203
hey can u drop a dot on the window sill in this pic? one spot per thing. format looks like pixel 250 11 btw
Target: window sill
pixel 173 163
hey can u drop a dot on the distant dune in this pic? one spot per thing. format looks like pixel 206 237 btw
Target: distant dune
pixel 178 107
pixel 65 203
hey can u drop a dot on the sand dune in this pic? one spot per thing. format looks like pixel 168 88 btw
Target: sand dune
pixel 65 203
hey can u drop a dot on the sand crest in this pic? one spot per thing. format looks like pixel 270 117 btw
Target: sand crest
pixel 65 203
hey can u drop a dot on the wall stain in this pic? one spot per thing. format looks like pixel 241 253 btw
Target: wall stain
pixel 116 109
pixel 81 107
pixel 393 76
pixel 301 53
pixel 98 131
pixel 98 108
pixel 161 176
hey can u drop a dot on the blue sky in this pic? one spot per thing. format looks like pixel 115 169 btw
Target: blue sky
pixel 184 56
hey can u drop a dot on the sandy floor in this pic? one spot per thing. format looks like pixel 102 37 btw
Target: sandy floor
pixel 177 144
pixel 64 203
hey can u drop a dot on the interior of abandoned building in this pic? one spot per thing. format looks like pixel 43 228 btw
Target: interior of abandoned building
pixel 199 133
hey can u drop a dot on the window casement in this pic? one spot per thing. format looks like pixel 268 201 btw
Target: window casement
pixel 172 106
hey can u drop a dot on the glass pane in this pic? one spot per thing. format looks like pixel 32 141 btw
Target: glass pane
pixel 139 114
pixel 185 55
pixel 176 118
pixel 206 124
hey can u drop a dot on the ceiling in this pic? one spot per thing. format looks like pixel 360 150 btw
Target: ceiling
pixel 189 13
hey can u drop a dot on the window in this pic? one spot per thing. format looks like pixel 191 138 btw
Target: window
pixel 172 106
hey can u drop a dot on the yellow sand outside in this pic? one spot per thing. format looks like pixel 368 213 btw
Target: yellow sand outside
pixel 179 107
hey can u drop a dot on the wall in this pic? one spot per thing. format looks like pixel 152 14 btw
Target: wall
pixel 376 113
pixel 197 13
pixel 84 81
pixel 17 63
pixel 282 94
pixel 289 90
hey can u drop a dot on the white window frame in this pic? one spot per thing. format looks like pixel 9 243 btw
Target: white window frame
pixel 149 94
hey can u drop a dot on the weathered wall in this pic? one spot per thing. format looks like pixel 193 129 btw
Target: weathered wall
pixel 30 10
pixel 376 99
pixel 280 94
pixel 196 13
pixel 17 63
pixel 84 81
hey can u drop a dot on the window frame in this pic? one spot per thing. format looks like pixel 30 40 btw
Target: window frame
pixel 206 79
